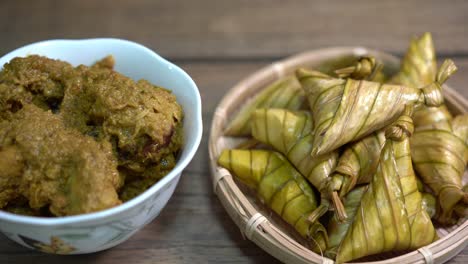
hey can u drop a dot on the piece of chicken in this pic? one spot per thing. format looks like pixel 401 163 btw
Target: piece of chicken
pixel 53 166
pixel 143 121
pixel 33 79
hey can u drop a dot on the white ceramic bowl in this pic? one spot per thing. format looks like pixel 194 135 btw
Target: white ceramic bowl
pixel 101 230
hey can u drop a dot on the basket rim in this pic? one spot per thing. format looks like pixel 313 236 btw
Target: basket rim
pixel 240 208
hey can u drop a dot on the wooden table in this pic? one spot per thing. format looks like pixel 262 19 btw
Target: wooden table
pixel 218 43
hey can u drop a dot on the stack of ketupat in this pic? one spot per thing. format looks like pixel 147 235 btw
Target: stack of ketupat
pixel 364 168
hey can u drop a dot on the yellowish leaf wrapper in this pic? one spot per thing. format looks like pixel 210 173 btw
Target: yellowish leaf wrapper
pixel 285 93
pixel 391 216
pixel 337 229
pixel 346 110
pixel 290 133
pixel 437 153
pixel 419 68
pixel 280 187
pixel 440 158
pixel 358 163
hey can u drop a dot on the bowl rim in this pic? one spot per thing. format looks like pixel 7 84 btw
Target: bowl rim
pixel 177 170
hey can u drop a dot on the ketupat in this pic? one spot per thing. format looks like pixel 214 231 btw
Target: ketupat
pixel 290 133
pixel 438 155
pixel 281 187
pixel 418 68
pixel 337 228
pixel 391 216
pixel 359 160
pixel 440 159
pixel 422 230
pixel 285 93
pixel 356 165
pixel 427 116
pixel 346 110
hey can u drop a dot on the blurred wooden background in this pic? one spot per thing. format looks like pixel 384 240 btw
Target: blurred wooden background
pixel 218 43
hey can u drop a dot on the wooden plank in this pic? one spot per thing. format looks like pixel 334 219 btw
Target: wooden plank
pixel 246 29
pixel 194 228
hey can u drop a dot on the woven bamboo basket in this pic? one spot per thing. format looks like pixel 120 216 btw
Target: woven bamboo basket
pixel 264 228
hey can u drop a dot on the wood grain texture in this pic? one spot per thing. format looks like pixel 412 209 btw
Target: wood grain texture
pixel 218 43
pixel 243 28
